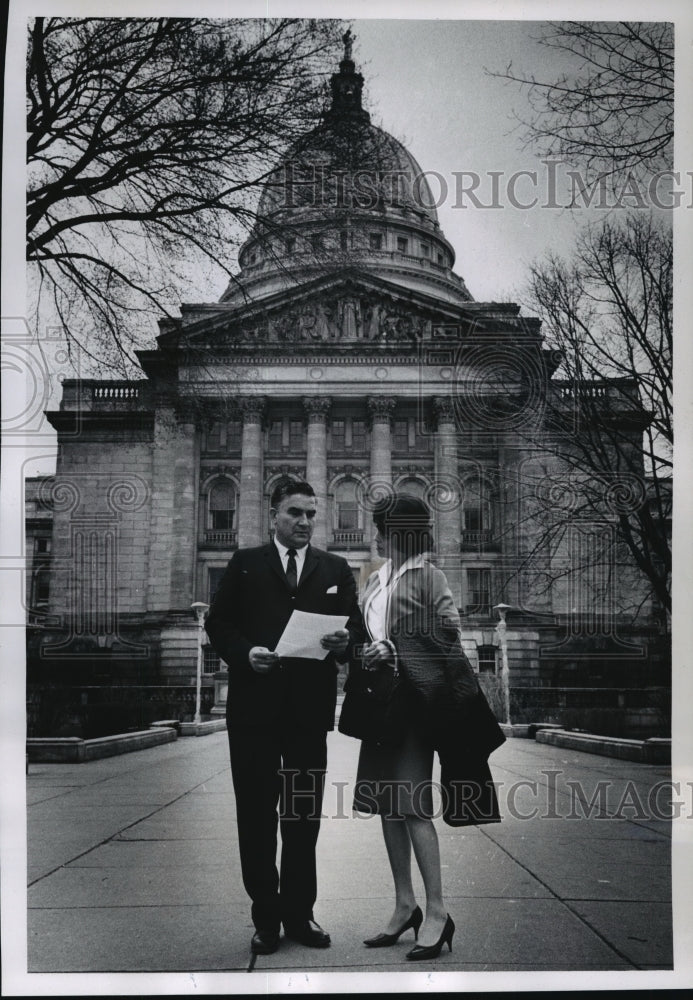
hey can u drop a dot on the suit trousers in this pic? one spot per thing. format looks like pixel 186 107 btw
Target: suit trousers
pixel 282 767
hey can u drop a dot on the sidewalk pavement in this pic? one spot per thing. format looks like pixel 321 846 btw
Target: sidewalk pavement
pixel 133 867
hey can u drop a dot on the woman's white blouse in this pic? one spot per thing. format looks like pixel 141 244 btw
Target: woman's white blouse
pixel 375 612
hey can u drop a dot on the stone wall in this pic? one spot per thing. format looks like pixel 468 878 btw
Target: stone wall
pixel 101 528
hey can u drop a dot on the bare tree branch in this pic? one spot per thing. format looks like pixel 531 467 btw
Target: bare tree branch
pixel 613 111
pixel 144 134
pixel 608 312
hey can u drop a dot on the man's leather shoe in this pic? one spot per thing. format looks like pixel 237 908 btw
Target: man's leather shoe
pixel 264 942
pixel 309 933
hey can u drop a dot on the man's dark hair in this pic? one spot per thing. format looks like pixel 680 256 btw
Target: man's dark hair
pixel 286 487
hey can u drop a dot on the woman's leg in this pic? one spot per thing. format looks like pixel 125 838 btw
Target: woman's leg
pixel 425 842
pixel 398 844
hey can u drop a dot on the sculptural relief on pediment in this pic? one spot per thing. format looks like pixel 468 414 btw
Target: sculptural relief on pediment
pixel 346 319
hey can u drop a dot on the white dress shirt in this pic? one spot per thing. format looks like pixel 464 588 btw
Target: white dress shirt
pixel 376 610
pixel 284 556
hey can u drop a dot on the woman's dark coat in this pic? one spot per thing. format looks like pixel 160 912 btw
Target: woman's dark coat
pixel 444 691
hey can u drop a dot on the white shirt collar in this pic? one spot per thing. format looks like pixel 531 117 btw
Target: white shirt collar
pixel 387 577
pixel 284 551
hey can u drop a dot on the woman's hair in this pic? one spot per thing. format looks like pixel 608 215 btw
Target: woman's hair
pixel 406 520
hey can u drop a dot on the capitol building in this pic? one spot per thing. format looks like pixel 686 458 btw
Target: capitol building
pixel 348 351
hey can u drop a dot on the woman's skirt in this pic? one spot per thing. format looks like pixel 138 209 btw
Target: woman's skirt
pixel 396 782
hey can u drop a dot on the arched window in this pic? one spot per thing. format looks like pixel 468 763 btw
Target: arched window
pixel 476 513
pixel 347 513
pixel 413 485
pixel 214 441
pixel 222 506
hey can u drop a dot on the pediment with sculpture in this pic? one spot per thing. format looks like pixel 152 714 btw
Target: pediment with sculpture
pixel 354 318
pixel 346 314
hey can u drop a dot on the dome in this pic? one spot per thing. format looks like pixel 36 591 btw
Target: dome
pixel 347 194
pixel 348 163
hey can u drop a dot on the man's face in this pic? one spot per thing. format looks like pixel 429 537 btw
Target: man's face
pixel 294 519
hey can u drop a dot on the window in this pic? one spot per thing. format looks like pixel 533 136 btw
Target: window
pixel 375 241
pixel 479 591
pixel 414 486
pixel 215 574
pixel 343 241
pixel 42 546
pixel 222 506
pixel 486 656
pixel 441 260
pixel 401 435
pixel 423 438
pixel 424 250
pixel 234 432
pixel 211 662
pixel 274 437
pixel 41 587
pixel 347 506
pixel 473 517
pixel 476 514
pixel 338 435
pixel 214 435
pixel 296 435
pixel 358 435
pixel 402 244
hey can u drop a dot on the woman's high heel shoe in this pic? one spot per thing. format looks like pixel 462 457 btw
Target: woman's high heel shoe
pixel 385 940
pixel 420 952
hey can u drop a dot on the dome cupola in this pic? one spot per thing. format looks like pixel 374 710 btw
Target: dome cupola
pixel 348 194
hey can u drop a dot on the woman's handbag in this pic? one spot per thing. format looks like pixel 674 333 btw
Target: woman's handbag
pixel 375 706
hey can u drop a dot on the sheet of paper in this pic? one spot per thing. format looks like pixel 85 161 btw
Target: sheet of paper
pixel 303 633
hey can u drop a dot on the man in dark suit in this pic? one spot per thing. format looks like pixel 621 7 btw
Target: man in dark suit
pixel 279 710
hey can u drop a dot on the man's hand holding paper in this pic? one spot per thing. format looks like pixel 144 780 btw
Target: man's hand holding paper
pixel 311 636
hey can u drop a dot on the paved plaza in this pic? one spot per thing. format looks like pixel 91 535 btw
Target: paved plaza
pixel 133 867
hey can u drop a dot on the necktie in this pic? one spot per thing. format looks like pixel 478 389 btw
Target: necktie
pixel 291 574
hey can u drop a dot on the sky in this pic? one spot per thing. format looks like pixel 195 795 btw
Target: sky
pixel 428 83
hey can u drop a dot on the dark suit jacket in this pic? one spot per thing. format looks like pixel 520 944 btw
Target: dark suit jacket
pixel 251 608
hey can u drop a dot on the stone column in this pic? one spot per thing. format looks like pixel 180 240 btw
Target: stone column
pixel 447 495
pixel 251 525
pixel 381 409
pixel 175 465
pixel 186 464
pixel 317 408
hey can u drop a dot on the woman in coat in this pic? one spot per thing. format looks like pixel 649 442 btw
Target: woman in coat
pixel 413 627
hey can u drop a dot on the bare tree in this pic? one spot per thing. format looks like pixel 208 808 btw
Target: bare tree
pixel 608 311
pixel 607 308
pixel 613 110
pixel 147 142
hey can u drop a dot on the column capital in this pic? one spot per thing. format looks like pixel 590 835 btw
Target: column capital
pixel 444 409
pixel 381 407
pixel 252 408
pixel 317 408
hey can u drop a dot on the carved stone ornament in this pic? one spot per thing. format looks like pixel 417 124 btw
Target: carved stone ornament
pixel 346 318
pixel 381 407
pixel 444 409
pixel 252 408
pixel 315 321
pixel 317 408
pixel 284 470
